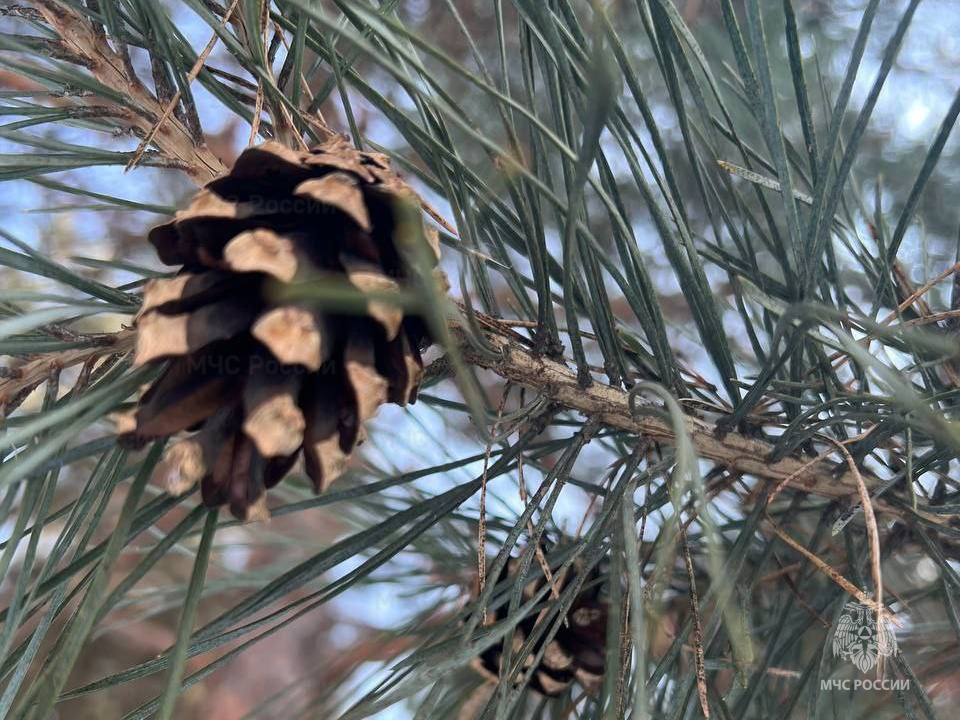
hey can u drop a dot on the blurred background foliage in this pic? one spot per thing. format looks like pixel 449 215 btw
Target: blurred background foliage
pixel 574 147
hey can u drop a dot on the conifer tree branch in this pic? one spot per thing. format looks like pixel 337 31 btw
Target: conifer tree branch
pixel 81 40
pixel 36 370
pixel 610 407
pixel 602 404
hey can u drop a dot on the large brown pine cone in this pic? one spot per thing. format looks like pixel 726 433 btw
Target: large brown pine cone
pixel 576 653
pixel 255 377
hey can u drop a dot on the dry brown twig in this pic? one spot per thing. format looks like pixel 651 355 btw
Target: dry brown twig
pixel 538 550
pixel 701 672
pixel 833 574
pixel 873 534
pixel 839 359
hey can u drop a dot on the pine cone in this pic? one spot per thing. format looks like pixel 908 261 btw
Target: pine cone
pixel 576 653
pixel 256 377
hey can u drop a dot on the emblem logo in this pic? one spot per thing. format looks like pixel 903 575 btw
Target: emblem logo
pixel 860 639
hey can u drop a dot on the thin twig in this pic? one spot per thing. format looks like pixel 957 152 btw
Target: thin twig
pixel 831 573
pixel 482 520
pixel 606 406
pixel 538 548
pixel 910 300
pixel 873 534
pixel 258 107
pixel 701 671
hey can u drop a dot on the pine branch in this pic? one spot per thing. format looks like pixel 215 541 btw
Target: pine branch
pixel 28 376
pixel 80 40
pixel 602 404
pixel 610 407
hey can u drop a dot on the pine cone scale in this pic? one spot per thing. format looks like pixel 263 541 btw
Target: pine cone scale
pixel 323 456
pixel 163 336
pixel 272 418
pixel 174 295
pixel 367 278
pixel 400 364
pixel 177 401
pixel 263 250
pixel 292 335
pixel 341 191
